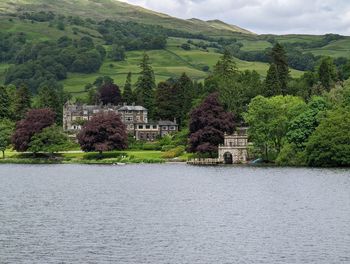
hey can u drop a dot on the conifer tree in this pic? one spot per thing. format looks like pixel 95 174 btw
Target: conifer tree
pixel 51 98
pixel 226 67
pixel 128 96
pixel 185 90
pixel 279 59
pixel 145 86
pixel 272 84
pixel 4 103
pixel 22 101
pixel 167 101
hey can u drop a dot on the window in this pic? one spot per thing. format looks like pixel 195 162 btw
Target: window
pixel 172 128
pixel 154 126
pixel 148 126
pixel 164 128
pixel 129 119
pixel 140 126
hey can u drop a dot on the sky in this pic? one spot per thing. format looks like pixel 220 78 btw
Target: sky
pixel 263 16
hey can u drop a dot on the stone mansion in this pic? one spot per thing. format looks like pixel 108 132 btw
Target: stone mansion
pixel 134 117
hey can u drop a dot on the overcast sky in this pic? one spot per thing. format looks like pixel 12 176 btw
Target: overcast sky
pixel 263 16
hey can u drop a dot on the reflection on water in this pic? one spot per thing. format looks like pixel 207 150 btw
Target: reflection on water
pixel 173 214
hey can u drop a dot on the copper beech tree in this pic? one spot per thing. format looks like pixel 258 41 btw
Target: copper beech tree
pixel 34 122
pixel 208 123
pixel 104 132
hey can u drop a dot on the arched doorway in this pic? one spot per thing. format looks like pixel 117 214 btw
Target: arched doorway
pixel 228 158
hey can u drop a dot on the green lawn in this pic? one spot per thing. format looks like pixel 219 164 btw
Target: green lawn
pixel 127 156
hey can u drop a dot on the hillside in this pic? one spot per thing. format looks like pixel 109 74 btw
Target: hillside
pixel 116 10
pixel 204 39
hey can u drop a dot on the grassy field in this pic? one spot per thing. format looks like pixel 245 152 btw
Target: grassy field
pixel 168 63
pixel 41 31
pixel 171 62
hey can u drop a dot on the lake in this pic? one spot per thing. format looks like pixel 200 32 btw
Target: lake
pixel 173 213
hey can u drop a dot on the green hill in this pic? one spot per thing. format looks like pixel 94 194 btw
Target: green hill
pixel 205 38
pixel 120 11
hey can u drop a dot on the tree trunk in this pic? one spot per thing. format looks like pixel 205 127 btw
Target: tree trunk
pixel 3 154
pixel 267 152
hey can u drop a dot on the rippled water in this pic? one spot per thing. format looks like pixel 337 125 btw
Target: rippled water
pixel 173 214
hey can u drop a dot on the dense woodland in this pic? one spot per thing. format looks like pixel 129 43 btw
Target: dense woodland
pixel 292 121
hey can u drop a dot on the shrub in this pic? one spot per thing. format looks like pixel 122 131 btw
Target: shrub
pixel 173 153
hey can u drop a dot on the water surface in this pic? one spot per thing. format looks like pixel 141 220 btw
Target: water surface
pixel 173 214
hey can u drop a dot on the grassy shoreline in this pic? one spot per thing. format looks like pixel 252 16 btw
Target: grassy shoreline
pixel 78 157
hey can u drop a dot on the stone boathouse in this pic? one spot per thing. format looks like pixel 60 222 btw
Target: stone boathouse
pixel 235 148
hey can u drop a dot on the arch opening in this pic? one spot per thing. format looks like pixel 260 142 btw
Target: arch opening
pixel 228 159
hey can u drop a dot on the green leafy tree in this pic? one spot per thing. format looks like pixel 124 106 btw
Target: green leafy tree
pixel 6 129
pixel 268 120
pixel 329 144
pixel 145 85
pixel 302 126
pixel 100 81
pixel 50 140
pixel 128 95
pixel 117 53
pixel 327 73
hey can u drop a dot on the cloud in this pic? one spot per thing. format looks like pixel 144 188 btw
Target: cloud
pixel 263 16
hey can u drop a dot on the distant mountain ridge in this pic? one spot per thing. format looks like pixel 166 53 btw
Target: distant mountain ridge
pixel 120 11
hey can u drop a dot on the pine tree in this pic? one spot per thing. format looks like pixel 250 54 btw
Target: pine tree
pixel 226 67
pixel 4 103
pixel 185 94
pixel 167 101
pixel 128 95
pixel 272 83
pixel 145 86
pixel 50 98
pixel 22 101
pixel 279 58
